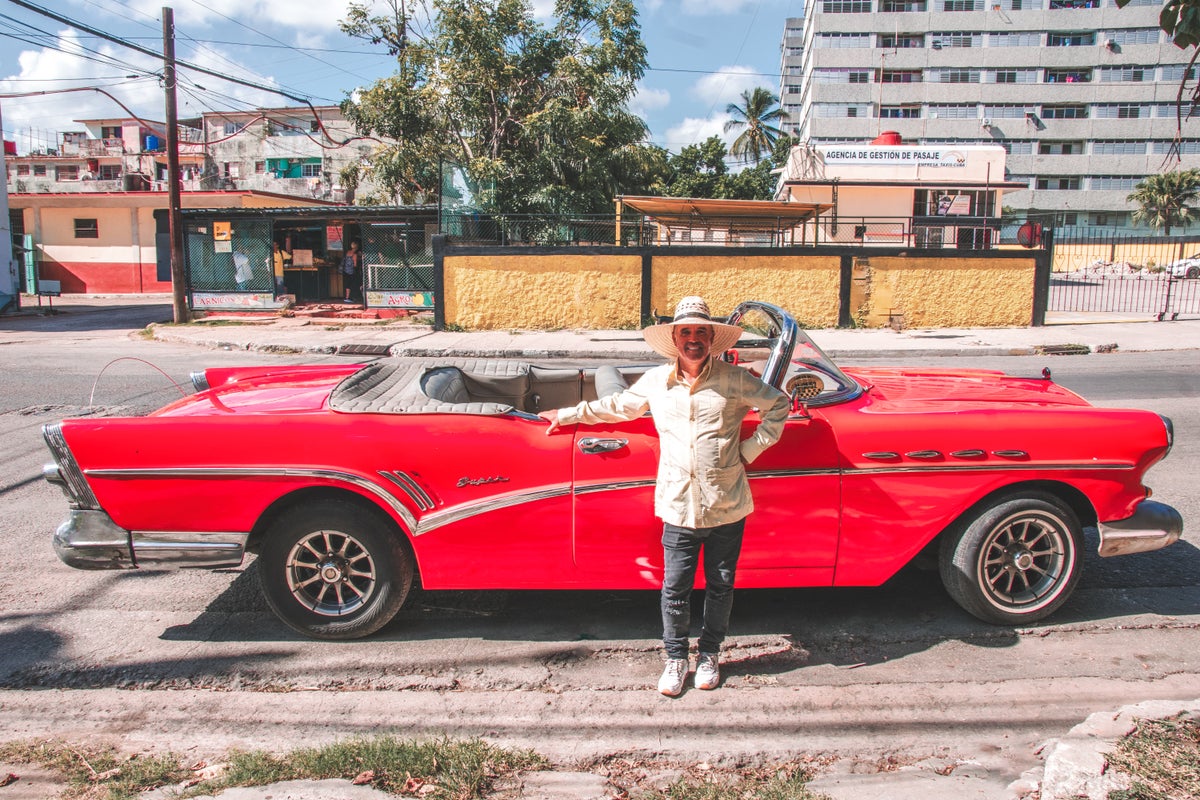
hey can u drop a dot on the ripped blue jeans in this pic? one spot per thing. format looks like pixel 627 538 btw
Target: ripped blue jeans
pixel 682 548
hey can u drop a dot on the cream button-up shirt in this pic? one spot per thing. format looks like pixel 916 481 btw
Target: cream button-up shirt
pixel 701 475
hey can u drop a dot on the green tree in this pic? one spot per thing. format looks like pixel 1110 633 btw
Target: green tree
pixel 1163 198
pixel 535 115
pixel 702 170
pixel 756 113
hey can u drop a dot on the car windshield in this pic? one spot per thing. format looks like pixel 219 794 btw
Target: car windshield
pixel 773 347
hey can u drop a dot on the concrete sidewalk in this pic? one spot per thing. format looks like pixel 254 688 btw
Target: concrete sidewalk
pixel 416 338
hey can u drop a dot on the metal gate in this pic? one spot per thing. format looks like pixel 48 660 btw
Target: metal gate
pixel 397 265
pixel 1125 274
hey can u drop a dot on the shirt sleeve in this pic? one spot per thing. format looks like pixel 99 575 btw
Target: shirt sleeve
pixel 620 407
pixel 773 407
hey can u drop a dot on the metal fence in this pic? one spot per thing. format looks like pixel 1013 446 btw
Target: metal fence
pixel 729 231
pixel 214 266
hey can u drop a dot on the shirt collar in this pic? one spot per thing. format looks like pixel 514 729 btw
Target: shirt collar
pixel 703 376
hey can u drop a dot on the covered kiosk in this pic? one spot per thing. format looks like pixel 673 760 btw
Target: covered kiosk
pixel 231 264
pixel 699 221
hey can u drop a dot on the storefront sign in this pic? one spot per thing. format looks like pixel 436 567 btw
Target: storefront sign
pixel 222 232
pixel 209 301
pixel 889 155
pixel 333 237
pixel 399 299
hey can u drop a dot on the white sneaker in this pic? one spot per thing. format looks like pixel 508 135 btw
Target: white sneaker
pixel 675 673
pixel 708 674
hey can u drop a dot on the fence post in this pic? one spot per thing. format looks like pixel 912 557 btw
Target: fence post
pixel 845 280
pixel 647 273
pixel 437 244
pixel 1043 262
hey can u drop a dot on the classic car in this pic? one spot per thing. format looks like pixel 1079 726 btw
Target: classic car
pixel 353 482
pixel 1188 267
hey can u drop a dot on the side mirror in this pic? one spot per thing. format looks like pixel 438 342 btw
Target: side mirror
pixel 799 409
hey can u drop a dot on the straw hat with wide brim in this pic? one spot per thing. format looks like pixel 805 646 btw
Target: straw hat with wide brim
pixel 691 311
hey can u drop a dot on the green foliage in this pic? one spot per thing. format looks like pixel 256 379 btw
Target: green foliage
pixel 1162 758
pixel 535 115
pixel 700 170
pixel 1163 198
pixel 756 113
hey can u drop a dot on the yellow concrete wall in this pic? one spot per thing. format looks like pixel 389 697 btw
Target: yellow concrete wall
pixel 1071 257
pixel 543 292
pixel 534 291
pixel 807 286
pixel 947 292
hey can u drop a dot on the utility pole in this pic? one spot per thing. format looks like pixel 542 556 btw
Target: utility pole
pixel 178 283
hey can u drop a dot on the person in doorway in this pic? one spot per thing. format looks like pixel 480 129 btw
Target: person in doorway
pixel 698 402
pixel 352 271
pixel 279 258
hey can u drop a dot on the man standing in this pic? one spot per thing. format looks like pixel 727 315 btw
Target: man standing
pixel 701 493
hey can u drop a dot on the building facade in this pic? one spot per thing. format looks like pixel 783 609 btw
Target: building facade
pixel 1079 93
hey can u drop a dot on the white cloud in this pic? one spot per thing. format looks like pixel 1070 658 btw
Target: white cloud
pixel 647 100
pixel 726 85
pixel 543 9
pixel 693 130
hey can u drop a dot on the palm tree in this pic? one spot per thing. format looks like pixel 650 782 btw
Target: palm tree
pixel 1163 198
pixel 756 113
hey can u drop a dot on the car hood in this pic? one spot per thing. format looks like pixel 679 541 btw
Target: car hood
pixel 923 387
pixel 287 390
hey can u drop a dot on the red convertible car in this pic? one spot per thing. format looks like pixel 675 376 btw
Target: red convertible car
pixel 353 482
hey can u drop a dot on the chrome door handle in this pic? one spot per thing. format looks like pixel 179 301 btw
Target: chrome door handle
pixel 592 445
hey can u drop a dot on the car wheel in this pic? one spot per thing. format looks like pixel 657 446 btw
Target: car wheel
pixel 1016 561
pixel 1193 272
pixel 335 571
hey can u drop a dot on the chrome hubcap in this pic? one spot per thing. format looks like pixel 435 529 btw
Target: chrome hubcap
pixel 1025 562
pixel 330 573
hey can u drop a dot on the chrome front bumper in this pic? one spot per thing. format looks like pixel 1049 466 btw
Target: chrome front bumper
pixel 1152 527
pixel 91 540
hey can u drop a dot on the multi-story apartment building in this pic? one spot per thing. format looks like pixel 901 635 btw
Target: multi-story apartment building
pixel 1080 93
pixel 286 151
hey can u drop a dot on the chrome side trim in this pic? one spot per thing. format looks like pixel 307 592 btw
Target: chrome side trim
pixel 467 510
pixel 74 483
pixel 791 473
pixel 411 488
pixel 613 486
pixel 261 472
pixel 928 454
pixel 881 455
pixel 191 549
pixel 199 380
pixel 993 467
pixel 1010 453
pixel 968 454
pixel 1153 526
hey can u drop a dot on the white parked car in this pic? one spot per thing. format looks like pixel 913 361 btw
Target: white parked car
pixel 1185 267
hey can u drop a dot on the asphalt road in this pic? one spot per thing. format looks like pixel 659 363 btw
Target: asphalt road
pixel 193 661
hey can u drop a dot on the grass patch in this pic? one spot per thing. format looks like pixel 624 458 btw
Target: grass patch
pixel 1162 756
pixel 440 768
pixel 766 782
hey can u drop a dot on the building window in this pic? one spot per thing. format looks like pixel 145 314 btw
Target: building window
pixel 1015 39
pixel 901 6
pixel 1122 111
pixel 1014 76
pixel 1119 148
pixel 901 76
pixel 260 167
pixel 1017 147
pixel 1127 74
pixel 22 169
pixel 956 39
pixel 110 132
pixel 87 229
pixel 928 237
pixel 1173 72
pixel 39 170
pixel 1057 4
pixel 899 112
pixel 846 6
pixel 1064 112
pixel 109 172
pixel 230 128
pixel 961 5
pixel 957 75
pixel 1123 183
pixel 1132 36
pixel 901 41
pixel 964 111
pixel 66 172
pixel 1084 39
pixel 852 111
pixel 1067 76
pixel 1060 148
pixel 1186 147
pixel 310 170
pixel 1007 111
pixel 1069 183
pixel 840 76
pixel 842 41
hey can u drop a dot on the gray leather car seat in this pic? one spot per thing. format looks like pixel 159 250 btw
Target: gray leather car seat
pixel 447 384
pixel 609 380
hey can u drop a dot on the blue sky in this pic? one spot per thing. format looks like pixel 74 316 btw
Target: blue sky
pixel 702 54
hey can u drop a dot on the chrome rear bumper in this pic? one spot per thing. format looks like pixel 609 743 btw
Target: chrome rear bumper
pixel 1152 527
pixel 91 540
